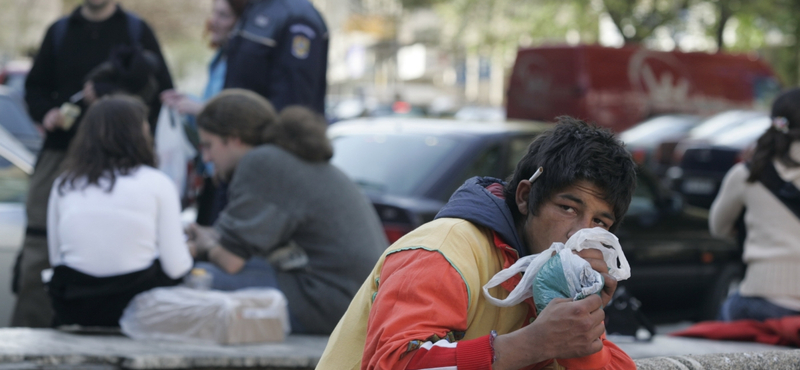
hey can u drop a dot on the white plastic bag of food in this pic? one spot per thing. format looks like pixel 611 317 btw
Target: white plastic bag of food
pixel 173 148
pixel 207 316
pixel 578 277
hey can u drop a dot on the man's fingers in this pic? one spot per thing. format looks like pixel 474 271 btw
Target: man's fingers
pixel 609 287
pixel 590 253
pixel 598 265
pixel 559 300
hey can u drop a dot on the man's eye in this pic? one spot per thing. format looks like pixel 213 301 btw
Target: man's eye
pixel 566 208
pixel 600 222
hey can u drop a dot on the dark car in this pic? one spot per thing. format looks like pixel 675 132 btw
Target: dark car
pixel 410 167
pixel 712 127
pixel 16 121
pixel 653 141
pixel 703 166
pixel 678 270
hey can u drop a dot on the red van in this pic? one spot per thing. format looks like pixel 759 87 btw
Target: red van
pixel 618 88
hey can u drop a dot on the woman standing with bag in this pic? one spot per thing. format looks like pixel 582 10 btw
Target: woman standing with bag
pixel 767 190
pixel 224 15
pixel 113 221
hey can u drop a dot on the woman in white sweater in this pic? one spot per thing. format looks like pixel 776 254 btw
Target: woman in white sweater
pixel 113 220
pixel 766 189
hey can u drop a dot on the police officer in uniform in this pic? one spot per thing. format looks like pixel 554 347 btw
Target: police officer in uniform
pixel 279 49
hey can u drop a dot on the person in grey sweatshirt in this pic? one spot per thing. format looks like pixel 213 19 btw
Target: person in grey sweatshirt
pixel 293 221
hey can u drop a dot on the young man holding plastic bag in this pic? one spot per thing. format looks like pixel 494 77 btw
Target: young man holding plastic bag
pixel 423 306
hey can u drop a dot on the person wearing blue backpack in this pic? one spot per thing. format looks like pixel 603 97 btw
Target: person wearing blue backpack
pixel 73 47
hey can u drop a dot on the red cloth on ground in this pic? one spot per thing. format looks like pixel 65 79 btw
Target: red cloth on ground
pixel 784 331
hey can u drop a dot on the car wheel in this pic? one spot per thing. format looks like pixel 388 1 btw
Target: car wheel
pixel 726 284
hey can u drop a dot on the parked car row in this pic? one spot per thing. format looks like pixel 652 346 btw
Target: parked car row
pixel 691 155
pixel 409 168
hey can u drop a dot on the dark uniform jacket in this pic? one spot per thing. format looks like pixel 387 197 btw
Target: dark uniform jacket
pixel 279 49
pixel 58 74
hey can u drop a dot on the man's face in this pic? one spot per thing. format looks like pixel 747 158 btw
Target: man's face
pixel 220 151
pixel 97 4
pixel 579 206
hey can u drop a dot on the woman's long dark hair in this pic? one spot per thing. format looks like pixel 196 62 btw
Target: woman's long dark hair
pixel 775 144
pixel 111 140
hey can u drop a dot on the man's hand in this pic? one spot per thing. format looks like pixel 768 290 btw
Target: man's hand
pixel 181 103
pixel 595 259
pixel 202 238
pixel 204 241
pixel 53 120
pixel 564 329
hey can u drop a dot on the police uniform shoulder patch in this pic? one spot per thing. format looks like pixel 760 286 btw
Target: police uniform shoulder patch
pixel 301 46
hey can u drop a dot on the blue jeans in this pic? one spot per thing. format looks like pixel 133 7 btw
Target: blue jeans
pixel 737 307
pixel 256 273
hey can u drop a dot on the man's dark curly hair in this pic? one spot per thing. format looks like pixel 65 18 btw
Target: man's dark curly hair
pixel 573 151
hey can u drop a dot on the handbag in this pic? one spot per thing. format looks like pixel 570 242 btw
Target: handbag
pixel 623 316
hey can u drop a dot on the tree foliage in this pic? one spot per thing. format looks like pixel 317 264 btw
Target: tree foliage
pixel 637 19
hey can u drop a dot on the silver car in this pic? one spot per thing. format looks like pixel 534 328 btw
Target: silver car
pixel 16 164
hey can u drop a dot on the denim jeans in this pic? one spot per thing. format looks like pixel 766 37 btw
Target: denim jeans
pixel 256 273
pixel 737 307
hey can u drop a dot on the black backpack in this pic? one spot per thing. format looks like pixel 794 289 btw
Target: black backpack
pixel 135 26
pixel 785 191
pixel 623 316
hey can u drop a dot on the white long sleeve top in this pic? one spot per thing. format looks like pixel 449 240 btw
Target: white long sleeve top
pixel 104 233
pixel 772 246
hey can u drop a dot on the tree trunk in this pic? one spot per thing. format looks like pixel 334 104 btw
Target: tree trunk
pixel 724 15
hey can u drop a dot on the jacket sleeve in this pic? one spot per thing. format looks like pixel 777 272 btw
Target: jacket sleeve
pixel 303 60
pixel 40 82
pixel 253 222
pixel 173 252
pixel 53 217
pixel 610 357
pixel 729 202
pixel 412 313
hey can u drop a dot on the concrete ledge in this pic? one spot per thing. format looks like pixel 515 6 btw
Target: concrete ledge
pixel 666 346
pixel 775 360
pixel 47 349
pixel 22 348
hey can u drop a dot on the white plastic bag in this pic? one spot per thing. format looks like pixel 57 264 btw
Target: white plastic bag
pixel 207 316
pixel 596 238
pixel 173 148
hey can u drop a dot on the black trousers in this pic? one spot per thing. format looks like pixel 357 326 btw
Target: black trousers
pixel 86 300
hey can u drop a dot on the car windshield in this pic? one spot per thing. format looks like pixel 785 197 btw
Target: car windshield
pixel 392 164
pixel 721 122
pixel 658 129
pixel 744 134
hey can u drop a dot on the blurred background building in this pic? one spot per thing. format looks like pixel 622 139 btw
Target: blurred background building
pixel 440 55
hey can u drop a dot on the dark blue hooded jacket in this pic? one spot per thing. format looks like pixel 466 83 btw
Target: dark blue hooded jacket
pixel 474 203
